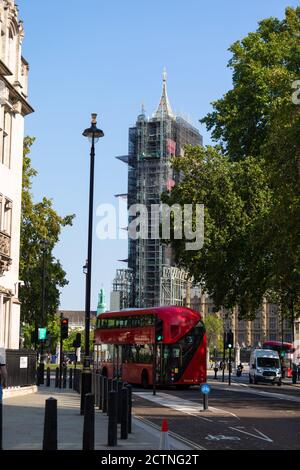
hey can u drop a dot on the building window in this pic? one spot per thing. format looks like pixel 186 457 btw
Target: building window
pixel 7 216
pixel 272 323
pixel 6 309
pixel 6 139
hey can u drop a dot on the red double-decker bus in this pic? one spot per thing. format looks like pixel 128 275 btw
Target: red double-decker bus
pixel 130 343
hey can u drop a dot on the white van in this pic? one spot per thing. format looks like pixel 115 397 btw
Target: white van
pixel 264 366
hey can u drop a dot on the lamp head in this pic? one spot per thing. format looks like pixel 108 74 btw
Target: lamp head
pixel 93 133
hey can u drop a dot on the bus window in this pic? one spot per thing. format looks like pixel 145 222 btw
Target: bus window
pixel 110 323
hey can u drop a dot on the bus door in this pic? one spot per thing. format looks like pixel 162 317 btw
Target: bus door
pixel 170 362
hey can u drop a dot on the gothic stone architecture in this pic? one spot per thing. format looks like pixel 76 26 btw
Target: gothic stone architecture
pixel 13 107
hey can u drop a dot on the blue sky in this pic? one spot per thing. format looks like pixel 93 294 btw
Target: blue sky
pixel 108 57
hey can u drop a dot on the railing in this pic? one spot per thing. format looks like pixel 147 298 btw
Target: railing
pixel 21 367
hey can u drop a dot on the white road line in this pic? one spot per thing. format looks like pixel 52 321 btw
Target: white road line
pixel 179 404
pixel 175 403
pixel 279 396
pixel 262 436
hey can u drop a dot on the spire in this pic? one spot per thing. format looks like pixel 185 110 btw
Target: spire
pixel 164 108
pixel 101 307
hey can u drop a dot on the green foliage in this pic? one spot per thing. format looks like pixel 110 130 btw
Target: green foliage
pixel 249 183
pixel 214 331
pixel 40 222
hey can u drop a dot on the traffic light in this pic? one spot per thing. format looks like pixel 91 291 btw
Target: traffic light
pixel 282 354
pixel 64 328
pixel 159 330
pixel 229 340
pixel 34 337
pixel 77 341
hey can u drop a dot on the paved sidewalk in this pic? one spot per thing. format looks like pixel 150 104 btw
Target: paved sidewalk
pixel 23 423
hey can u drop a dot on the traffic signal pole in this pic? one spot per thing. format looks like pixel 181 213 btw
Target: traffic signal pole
pixel 61 351
pixel 229 364
pixel 154 360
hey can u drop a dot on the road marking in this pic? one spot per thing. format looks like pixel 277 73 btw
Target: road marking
pixel 262 436
pixel 279 396
pixel 170 401
pixel 221 437
pixel 176 436
pixel 216 410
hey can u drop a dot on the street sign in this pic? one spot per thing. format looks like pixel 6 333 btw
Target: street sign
pixel 205 389
pixel 42 334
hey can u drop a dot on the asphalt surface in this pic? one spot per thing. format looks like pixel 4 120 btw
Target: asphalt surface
pixel 240 416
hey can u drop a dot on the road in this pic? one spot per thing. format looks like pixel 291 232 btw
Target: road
pixel 241 416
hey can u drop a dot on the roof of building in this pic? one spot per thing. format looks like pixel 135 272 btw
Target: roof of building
pixel 164 108
pixel 75 315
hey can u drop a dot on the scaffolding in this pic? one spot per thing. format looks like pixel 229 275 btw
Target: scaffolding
pixel 122 285
pixel 152 144
pixel 175 286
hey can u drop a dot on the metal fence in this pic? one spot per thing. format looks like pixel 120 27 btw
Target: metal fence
pixel 21 367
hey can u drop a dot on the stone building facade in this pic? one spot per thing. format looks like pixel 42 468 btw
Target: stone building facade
pixel 13 108
pixel 267 325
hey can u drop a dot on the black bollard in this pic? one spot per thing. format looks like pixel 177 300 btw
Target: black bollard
pixel 57 377
pixel 124 413
pixel 50 425
pixel 205 401
pixel 70 378
pixel 294 376
pixel 65 377
pixel 112 419
pixel 48 377
pixel 100 392
pixel 104 395
pixel 88 440
pixel 216 372
pixel 129 388
pixel 119 390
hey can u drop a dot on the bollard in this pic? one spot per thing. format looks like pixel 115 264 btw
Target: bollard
pixel 88 440
pixel 71 378
pixel 100 392
pixel 65 377
pixel 294 376
pixel 57 377
pixel 112 419
pixel 104 395
pixel 50 425
pixel 205 402
pixel 129 388
pixel 124 413
pixel 119 389
pixel 216 372
pixel 48 377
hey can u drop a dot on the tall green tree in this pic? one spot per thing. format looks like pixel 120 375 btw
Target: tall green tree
pixel 249 183
pixel 40 222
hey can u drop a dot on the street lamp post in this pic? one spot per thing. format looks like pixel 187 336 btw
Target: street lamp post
pixel 44 245
pixel 93 134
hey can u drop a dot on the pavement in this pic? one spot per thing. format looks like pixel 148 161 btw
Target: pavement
pixel 23 421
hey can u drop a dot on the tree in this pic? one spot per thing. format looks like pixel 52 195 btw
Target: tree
pixel 39 223
pixel 232 262
pixel 249 183
pixel 214 330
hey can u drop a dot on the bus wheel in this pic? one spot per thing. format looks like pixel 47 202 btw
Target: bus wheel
pixel 182 387
pixel 144 380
